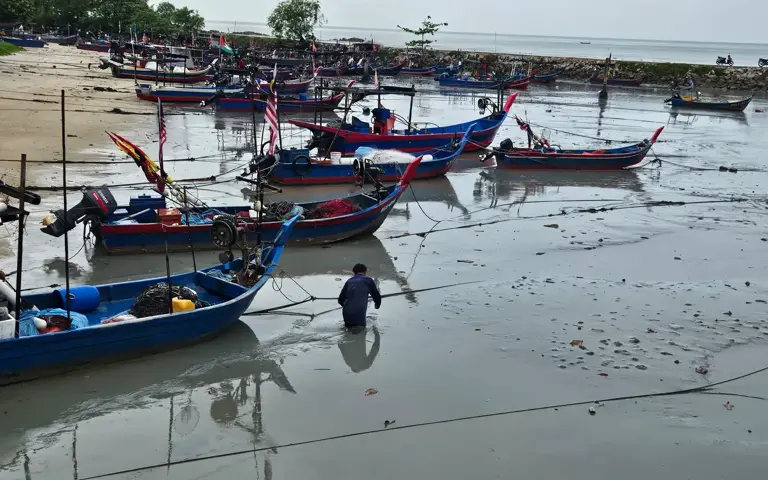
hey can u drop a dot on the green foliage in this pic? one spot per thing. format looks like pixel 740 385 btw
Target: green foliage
pixel 8 49
pixel 296 19
pixel 15 10
pixel 111 16
pixel 428 27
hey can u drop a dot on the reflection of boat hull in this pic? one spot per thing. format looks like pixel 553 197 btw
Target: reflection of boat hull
pixel 738 106
pixel 609 159
pixel 284 105
pixel 619 82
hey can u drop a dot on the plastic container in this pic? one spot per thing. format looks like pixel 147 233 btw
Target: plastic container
pixel 182 305
pixel 336 157
pixel 82 299
pixel 7 329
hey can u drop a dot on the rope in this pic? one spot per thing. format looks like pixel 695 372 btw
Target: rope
pixel 701 389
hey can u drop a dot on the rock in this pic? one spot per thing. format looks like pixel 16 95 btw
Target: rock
pixel 640 366
pixel 633 340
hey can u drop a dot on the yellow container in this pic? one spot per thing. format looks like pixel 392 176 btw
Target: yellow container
pixel 182 305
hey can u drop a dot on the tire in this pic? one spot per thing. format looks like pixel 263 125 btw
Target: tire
pixel 301 165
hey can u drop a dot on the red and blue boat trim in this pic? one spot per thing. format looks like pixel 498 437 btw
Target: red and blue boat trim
pixel 194 76
pixel 548 78
pixel 737 106
pixel 152 236
pixel 608 159
pixel 300 170
pixel 416 140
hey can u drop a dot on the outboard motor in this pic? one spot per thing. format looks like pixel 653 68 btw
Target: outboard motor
pixel 505 147
pixel 97 204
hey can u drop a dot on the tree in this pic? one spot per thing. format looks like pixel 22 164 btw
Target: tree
pixel 428 27
pixel 16 10
pixel 296 19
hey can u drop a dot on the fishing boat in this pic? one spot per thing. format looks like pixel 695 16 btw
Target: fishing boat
pixel 544 156
pixel 548 78
pixel 297 167
pixel 139 227
pixel 199 94
pixel 418 71
pixel 693 102
pixel 28 41
pixel 619 82
pixel 348 137
pixel 99 46
pixel 389 71
pixel 61 39
pixel 454 82
pixel 242 102
pixel 517 83
pixel 176 75
pixel 104 329
pixel 329 72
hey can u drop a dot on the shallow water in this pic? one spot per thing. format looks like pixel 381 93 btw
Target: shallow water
pixel 653 292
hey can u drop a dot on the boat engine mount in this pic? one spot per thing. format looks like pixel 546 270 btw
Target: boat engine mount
pixel 96 205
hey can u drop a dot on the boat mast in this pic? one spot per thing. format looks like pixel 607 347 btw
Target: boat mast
pixel 64 189
pixel 410 108
pixel 20 245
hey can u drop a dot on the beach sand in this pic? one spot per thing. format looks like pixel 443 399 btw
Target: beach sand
pixel 31 83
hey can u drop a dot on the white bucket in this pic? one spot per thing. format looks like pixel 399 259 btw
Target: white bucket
pixel 336 157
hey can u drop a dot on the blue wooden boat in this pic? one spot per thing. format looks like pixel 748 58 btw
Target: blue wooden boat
pixel 33 356
pixel 548 78
pixel 241 102
pixel 199 94
pixel 454 82
pixel 552 158
pixel 358 134
pixel 296 167
pixel 138 229
pixel 690 102
pixel 28 41
pixel 418 72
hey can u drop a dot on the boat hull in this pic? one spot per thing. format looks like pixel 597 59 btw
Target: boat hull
pixel 23 42
pixel 610 159
pixel 26 358
pixel 418 72
pixel 549 78
pixel 238 104
pixel 96 47
pixel 151 237
pixel 159 76
pixel 619 82
pixel 738 106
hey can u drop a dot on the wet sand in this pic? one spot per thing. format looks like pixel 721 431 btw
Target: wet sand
pixel 653 292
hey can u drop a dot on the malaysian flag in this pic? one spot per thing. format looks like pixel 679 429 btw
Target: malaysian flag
pixel 271 115
pixel 163 137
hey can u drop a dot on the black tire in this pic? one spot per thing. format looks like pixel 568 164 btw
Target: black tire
pixel 261 150
pixel 302 165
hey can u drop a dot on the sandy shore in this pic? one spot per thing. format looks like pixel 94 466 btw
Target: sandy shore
pixel 31 83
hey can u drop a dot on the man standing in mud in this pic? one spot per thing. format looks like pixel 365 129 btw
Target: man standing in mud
pixel 354 297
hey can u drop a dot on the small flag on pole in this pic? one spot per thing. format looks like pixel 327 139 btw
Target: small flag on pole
pixel 314 47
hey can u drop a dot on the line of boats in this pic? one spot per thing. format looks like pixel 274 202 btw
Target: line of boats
pixel 107 321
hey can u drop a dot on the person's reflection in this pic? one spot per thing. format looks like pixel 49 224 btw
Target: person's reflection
pixel 353 348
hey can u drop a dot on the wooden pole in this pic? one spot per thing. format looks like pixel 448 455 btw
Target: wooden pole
pixel 64 184
pixel 189 231
pixel 20 245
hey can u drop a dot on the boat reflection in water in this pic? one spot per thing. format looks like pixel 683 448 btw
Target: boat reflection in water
pixel 227 373
pixel 438 190
pixel 688 119
pixel 503 185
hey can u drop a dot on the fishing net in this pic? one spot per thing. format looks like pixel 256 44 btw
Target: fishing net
pixel 154 300
pixel 279 211
pixel 332 208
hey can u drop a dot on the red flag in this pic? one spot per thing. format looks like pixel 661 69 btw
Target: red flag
pixel 144 38
pixel 374 47
pixel 314 48
pixel 222 42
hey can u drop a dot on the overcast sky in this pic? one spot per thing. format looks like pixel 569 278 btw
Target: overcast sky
pixel 700 20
